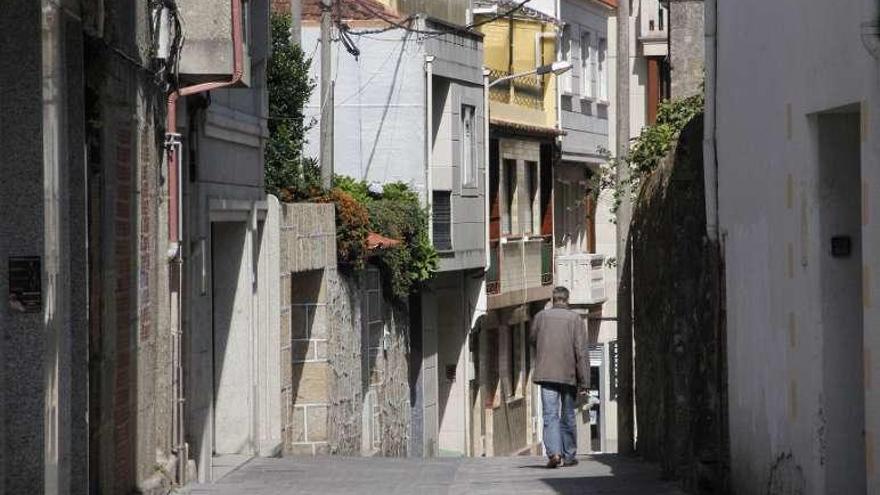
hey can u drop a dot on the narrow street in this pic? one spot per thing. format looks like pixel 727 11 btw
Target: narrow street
pixel 604 474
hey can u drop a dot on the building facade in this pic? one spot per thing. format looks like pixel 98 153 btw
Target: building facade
pixel 105 400
pixel 228 307
pixel 409 108
pixel 522 151
pixel 84 391
pixel 797 129
pixel 584 235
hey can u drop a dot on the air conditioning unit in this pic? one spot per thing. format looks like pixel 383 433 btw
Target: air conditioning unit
pixel 584 276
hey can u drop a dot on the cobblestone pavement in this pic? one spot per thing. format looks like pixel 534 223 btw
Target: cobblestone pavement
pixel 605 474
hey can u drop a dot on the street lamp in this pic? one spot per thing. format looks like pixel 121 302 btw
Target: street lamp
pixel 557 68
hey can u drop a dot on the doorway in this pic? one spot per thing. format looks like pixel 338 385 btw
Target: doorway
pixel 233 374
pixel 842 309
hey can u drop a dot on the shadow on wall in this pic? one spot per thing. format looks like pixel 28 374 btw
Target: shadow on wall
pixel 680 382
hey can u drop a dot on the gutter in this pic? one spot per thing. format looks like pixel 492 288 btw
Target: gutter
pixel 429 142
pixel 710 145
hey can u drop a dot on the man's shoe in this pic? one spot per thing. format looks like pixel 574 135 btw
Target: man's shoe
pixel 570 462
pixel 554 462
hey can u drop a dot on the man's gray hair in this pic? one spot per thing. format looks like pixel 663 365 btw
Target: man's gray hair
pixel 560 296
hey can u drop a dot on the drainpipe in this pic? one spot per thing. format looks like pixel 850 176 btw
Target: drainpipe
pixel 429 141
pixel 710 147
pixel 486 172
pixel 870 30
pixel 559 49
pixel 539 61
pixel 175 224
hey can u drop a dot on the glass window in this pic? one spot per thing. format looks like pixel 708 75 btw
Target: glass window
pixel 603 69
pixel 587 69
pixel 565 79
pixel 468 148
pixel 509 188
pixel 533 217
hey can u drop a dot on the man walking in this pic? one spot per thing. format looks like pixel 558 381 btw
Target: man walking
pixel 561 369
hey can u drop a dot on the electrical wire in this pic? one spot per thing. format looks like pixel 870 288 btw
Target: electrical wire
pixel 406 24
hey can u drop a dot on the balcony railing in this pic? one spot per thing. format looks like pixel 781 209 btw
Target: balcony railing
pixel 526 91
pixel 520 264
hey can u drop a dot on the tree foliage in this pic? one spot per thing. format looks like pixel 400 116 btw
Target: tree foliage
pixel 289 174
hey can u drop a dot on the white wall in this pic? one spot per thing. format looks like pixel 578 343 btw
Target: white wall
pixel 380 108
pixel 780 63
pixel 586 121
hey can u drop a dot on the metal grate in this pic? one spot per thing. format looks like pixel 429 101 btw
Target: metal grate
pixel 442 220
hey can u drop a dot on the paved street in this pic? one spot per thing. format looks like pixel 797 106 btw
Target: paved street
pixel 508 475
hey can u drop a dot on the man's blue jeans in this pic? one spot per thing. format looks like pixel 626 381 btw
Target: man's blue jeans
pixel 560 431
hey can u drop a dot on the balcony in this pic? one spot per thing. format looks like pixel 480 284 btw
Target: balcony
pixel 653 28
pixel 521 270
pixel 526 91
pixel 584 276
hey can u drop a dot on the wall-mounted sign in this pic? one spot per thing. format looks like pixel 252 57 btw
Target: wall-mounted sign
pixel 25 284
pixel 841 246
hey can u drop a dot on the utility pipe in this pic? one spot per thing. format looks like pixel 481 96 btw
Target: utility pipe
pixel 559 49
pixel 429 144
pixel 175 219
pixel 710 149
pixel 171 125
pixel 486 169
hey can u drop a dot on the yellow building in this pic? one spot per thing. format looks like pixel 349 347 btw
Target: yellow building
pixel 523 147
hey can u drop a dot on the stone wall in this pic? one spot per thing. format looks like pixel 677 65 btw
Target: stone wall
pixel 679 343
pixel 686 46
pixel 345 388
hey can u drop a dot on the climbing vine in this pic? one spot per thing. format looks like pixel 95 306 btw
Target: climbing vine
pixel 646 151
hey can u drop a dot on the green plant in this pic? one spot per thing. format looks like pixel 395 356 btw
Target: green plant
pixel 396 213
pixel 289 174
pixel 646 151
pixel 352 227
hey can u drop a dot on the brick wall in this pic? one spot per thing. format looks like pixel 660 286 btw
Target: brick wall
pixel 122 255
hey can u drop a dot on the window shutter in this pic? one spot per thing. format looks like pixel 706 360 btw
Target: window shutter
pixel 546 167
pixel 442 212
pixel 494 184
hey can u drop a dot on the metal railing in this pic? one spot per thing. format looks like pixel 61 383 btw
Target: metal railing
pixel 520 264
pixel 526 91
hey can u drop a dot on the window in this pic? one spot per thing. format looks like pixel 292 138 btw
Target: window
pixel 442 220
pixel 565 79
pixel 373 329
pixel 509 177
pixel 516 368
pixel 468 148
pixel 533 211
pixel 603 69
pixel 525 211
pixel 587 68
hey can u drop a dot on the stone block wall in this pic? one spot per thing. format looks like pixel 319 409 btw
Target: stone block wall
pixel 680 383
pixel 345 388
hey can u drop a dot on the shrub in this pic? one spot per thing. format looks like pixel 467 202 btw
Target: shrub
pixel 352 227
pixel 289 174
pixel 396 213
